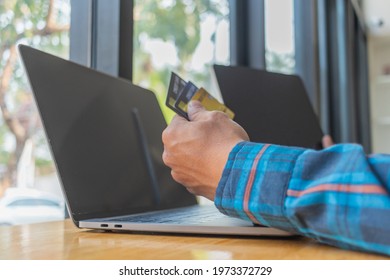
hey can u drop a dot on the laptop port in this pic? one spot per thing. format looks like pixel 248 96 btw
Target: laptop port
pixel 118 226
pixel 104 225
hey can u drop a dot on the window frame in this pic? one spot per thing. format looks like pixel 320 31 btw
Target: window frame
pixel 247 33
pixel 101 37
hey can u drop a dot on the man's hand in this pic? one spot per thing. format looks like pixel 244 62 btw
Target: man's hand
pixel 327 141
pixel 197 150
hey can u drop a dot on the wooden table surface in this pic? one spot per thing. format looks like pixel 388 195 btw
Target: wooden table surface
pixel 62 240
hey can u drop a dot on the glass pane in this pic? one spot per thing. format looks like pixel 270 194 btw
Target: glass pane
pixel 184 36
pixel 25 161
pixel 279 36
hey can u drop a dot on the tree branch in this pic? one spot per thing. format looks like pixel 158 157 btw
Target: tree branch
pixel 48 30
pixel 51 26
pixel 7 72
pixel 50 20
pixel 14 125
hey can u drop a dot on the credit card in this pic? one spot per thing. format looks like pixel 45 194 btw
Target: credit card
pixel 176 85
pixel 180 93
pixel 184 98
pixel 210 103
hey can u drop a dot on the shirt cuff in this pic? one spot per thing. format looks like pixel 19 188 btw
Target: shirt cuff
pixel 254 183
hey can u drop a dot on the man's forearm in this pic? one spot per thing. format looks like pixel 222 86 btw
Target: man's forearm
pixel 328 195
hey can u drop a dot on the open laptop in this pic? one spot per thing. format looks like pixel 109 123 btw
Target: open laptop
pixel 105 137
pixel 271 107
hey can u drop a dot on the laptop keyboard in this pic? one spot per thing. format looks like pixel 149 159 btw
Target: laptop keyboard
pixel 195 215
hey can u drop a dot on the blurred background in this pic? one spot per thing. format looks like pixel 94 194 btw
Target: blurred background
pixel 340 48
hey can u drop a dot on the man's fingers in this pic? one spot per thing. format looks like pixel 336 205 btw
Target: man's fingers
pixel 195 109
pixel 327 141
pixel 173 128
pixel 177 120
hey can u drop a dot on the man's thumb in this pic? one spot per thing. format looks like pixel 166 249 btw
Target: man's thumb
pixel 194 109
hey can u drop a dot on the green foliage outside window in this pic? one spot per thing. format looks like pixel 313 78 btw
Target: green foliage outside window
pixel 177 22
pixel 43 23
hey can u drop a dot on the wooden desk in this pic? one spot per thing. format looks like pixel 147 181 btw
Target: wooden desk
pixel 62 240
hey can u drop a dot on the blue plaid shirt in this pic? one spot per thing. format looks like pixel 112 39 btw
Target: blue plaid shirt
pixel 337 196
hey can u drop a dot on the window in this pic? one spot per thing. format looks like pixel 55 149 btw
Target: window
pixel 25 161
pixel 279 36
pixel 184 36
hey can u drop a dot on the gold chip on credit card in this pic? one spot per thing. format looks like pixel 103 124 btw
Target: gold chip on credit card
pixel 210 103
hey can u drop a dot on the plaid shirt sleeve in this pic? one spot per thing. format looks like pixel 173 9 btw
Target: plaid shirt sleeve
pixel 337 196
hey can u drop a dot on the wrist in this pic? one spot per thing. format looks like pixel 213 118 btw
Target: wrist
pixel 223 156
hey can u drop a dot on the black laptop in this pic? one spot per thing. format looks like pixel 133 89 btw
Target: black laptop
pixel 105 137
pixel 271 107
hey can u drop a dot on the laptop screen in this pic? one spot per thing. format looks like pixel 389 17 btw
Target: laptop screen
pixel 273 108
pixel 105 136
